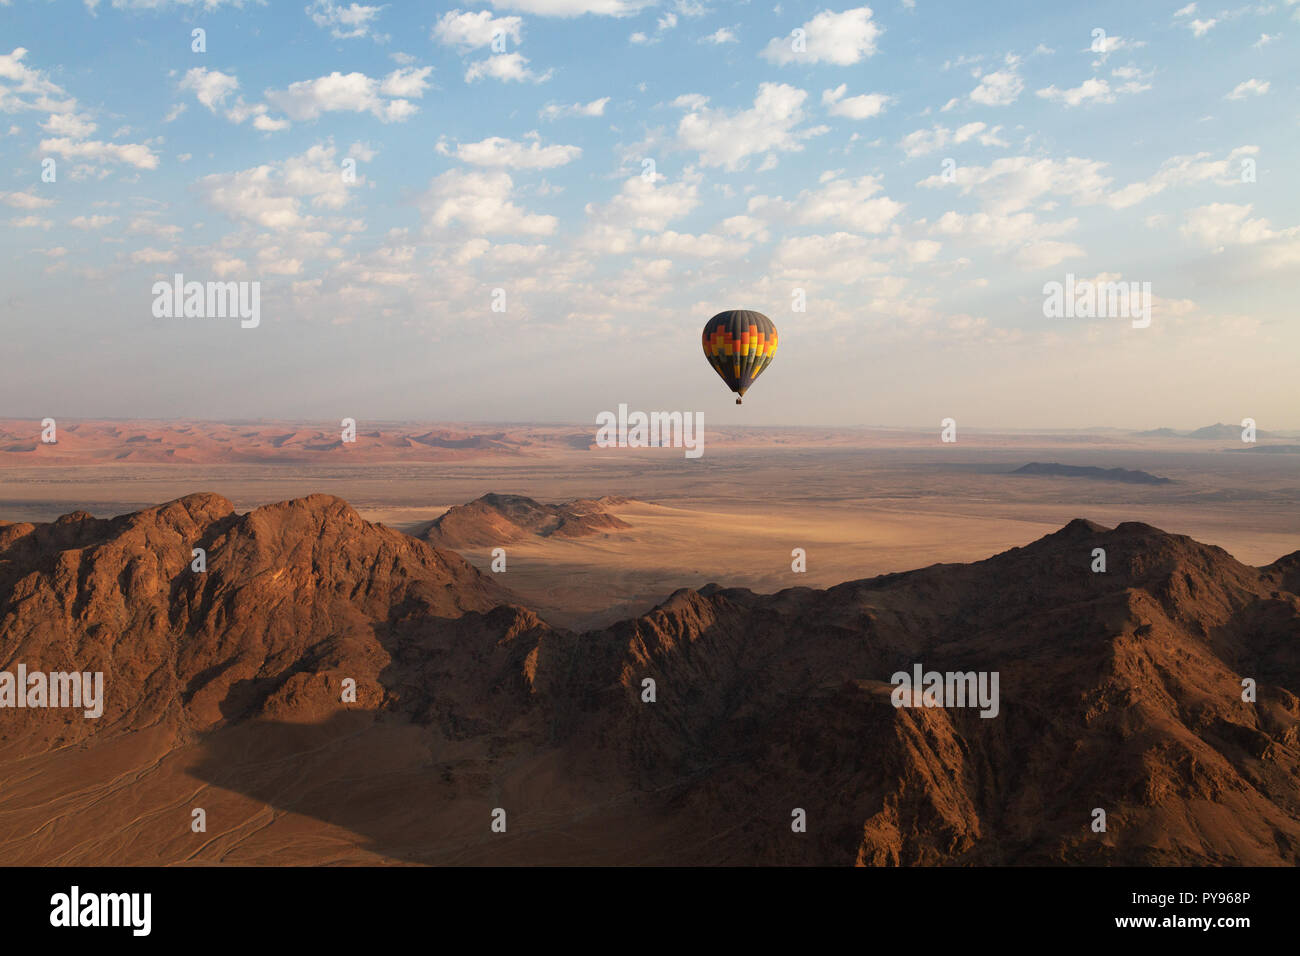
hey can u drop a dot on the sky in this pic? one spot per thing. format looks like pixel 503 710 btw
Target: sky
pixel 526 210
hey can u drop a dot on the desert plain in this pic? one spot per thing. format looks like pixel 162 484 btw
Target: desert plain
pixel 859 501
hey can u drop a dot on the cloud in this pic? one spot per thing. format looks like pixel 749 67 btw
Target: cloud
pixel 921 141
pixel 642 203
pixel 729 139
pixel 1202 27
pixel 507 67
pixel 406 82
pixel 850 203
pixel 128 154
pixel 746 227
pixel 1185 171
pixel 152 256
pixel 351 93
pixel 344 22
pixel 1223 224
pixel 499 151
pixel 75 125
pixel 25 200
pixel 999 88
pixel 1105 45
pixel 1248 88
pixel 554 111
pixel 92 222
pixel 480 202
pixel 212 89
pixel 271 196
pixel 31 222
pixel 720 36
pixel 471 30
pixel 1093 88
pixel 575 8
pixel 1011 183
pixel 1045 254
pixel 1001 230
pixel 841 39
pixel 706 246
pixel 24 88
pixel 30 89
pixel 854 107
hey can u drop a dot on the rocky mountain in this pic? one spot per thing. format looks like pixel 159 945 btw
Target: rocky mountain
pixel 494 520
pixel 1119 690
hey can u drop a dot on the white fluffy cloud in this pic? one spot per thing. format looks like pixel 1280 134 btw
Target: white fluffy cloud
pixel 841 39
pixel 272 196
pixel 923 141
pixel 643 203
pixel 92 222
pixel 575 8
pixel 706 246
pixel 1013 182
pixel 354 93
pixel 850 203
pixel 127 154
pixel 25 88
pixel 213 89
pixel 854 107
pixel 595 108
pixel 1097 89
pixel 25 200
pixel 482 203
pixel 473 29
pixel 344 22
pixel 507 67
pixel 1223 224
pixel 729 139
pixel 999 88
pixel 507 153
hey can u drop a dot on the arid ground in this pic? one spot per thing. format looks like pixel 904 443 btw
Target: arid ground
pixel 860 502
pixel 521 690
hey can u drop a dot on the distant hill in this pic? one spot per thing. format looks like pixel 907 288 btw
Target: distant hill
pixel 1270 449
pixel 497 519
pixel 1216 432
pixel 1052 469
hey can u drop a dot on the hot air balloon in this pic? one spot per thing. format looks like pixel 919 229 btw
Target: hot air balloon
pixel 739 344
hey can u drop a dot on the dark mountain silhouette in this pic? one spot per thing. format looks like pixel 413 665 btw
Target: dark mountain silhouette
pixel 1216 432
pixel 1119 690
pixel 498 519
pixel 1054 470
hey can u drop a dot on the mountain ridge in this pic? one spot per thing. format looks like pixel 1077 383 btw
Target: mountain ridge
pixel 1120 690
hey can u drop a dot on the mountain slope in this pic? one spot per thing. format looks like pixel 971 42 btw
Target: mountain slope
pixel 494 520
pixel 1119 690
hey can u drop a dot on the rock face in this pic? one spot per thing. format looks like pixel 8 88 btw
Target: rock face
pixel 1118 690
pixel 499 519
pixel 291 590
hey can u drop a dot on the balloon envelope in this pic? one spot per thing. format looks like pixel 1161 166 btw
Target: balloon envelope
pixel 739 344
